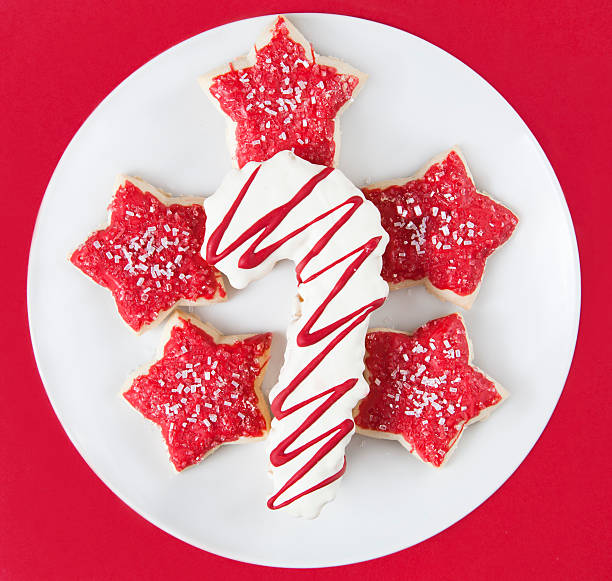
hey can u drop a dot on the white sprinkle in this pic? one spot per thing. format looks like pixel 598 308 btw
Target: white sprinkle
pixel 417 210
pixel 434 211
pixel 140 281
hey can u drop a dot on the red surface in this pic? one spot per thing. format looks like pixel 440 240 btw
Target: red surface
pixel 422 387
pixel 551 520
pixel 440 227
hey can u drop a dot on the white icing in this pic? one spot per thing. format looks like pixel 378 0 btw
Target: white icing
pixel 276 183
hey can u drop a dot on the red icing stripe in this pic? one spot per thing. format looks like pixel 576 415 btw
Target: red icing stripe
pixel 254 255
pixel 423 388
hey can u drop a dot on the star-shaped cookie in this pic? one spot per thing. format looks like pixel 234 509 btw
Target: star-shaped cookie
pixel 204 390
pixel 283 96
pixel 148 255
pixel 423 388
pixel 441 229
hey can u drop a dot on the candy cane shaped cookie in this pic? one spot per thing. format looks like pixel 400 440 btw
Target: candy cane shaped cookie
pixel 288 208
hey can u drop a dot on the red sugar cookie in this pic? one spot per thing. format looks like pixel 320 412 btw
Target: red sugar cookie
pixel 205 390
pixel 441 229
pixel 148 255
pixel 283 96
pixel 423 388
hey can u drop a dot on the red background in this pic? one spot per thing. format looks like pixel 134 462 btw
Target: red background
pixel 551 60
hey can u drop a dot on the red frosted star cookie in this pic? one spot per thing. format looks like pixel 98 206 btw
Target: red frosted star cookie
pixel 148 255
pixel 423 388
pixel 441 229
pixel 282 95
pixel 204 391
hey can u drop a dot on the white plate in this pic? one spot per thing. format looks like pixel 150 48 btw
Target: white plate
pixel 417 102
